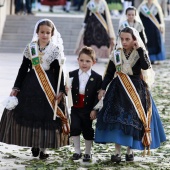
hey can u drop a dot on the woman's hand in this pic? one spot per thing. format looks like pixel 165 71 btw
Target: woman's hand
pixel 101 94
pixel 59 97
pixel 136 45
pixel 93 114
pixel 112 43
pixel 14 92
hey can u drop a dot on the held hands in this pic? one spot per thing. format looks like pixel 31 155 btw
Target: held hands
pixel 93 114
pixel 101 94
pixel 136 45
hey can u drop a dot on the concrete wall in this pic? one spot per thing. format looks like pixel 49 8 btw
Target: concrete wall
pixel 7 9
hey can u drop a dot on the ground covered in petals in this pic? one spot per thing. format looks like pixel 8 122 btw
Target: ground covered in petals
pixel 14 157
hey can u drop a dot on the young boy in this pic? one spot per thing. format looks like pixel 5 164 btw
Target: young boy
pixel 85 86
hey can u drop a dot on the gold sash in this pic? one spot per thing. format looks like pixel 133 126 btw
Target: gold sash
pixel 102 21
pixel 46 85
pixel 151 17
pixel 134 97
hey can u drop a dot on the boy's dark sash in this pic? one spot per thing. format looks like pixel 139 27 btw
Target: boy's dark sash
pixel 135 99
pixel 46 85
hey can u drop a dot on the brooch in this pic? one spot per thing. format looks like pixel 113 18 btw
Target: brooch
pixel 91 79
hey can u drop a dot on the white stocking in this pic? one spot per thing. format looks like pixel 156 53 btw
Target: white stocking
pixel 117 149
pixel 76 141
pixel 88 144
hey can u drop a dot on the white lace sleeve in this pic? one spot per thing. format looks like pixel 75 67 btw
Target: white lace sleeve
pixel 55 53
pixel 26 52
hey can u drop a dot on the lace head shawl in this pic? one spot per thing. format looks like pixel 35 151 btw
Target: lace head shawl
pixel 137 19
pixel 149 74
pixel 124 16
pixel 56 40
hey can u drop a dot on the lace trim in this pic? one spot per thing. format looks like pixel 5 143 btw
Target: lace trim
pixel 127 64
pixel 48 55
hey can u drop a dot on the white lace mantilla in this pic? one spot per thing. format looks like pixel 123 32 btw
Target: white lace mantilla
pixel 137 25
pixel 127 64
pixel 51 53
pixel 94 6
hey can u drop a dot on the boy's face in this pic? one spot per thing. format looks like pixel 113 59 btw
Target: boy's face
pixel 85 62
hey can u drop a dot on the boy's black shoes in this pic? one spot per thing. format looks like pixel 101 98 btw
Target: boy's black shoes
pixel 76 156
pixel 43 155
pixel 86 158
pixel 129 157
pixel 35 151
pixel 116 158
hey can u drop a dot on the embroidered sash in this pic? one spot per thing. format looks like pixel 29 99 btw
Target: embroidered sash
pixel 46 85
pixel 135 99
pixel 150 16
pixel 102 21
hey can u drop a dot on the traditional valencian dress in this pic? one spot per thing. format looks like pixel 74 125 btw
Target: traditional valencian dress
pixel 31 122
pixel 153 21
pixel 98 29
pixel 129 116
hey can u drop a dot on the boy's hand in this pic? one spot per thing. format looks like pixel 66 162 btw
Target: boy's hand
pixel 66 89
pixel 93 114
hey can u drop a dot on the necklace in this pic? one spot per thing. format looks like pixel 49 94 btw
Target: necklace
pixel 41 49
pixel 127 55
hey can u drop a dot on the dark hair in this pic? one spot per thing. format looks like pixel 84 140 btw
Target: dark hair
pixel 88 51
pixel 48 23
pixel 130 8
pixel 128 30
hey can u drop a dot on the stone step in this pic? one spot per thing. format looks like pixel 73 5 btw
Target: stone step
pixel 20 50
pixel 27 37
pixel 18 31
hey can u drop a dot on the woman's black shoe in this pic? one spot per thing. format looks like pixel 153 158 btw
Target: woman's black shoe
pixel 129 157
pixel 43 155
pixel 35 151
pixel 116 158
pixel 76 156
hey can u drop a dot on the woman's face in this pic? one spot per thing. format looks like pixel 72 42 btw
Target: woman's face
pixel 130 15
pixel 44 34
pixel 127 40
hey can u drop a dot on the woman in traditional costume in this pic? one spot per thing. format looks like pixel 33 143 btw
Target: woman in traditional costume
pixel 151 15
pixel 129 116
pixel 97 31
pixel 32 122
pixel 131 18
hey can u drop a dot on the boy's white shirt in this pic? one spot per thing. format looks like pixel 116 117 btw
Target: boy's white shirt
pixel 83 79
